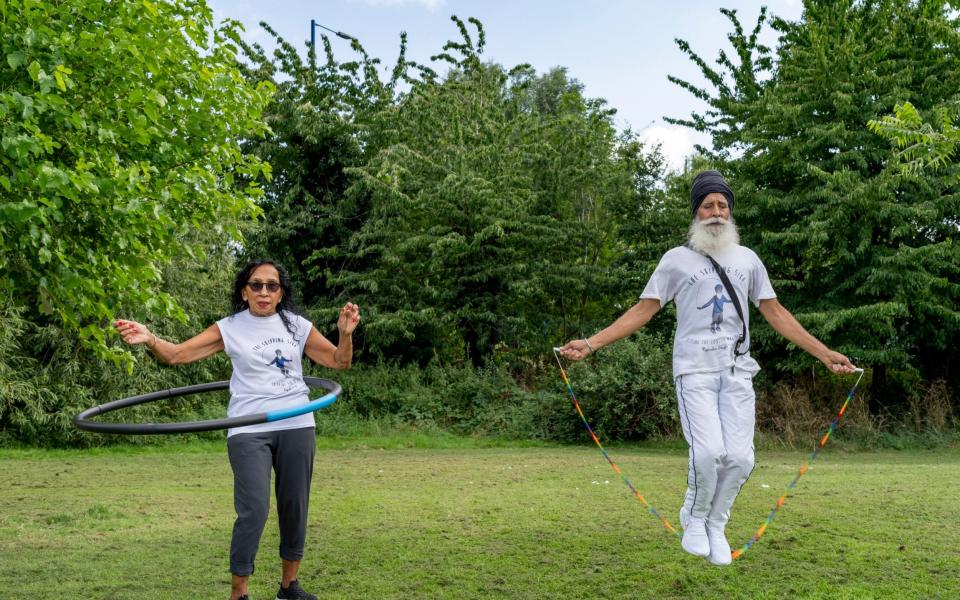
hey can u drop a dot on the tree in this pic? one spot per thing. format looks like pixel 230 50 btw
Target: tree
pixel 488 210
pixel 927 146
pixel 121 129
pixel 323 120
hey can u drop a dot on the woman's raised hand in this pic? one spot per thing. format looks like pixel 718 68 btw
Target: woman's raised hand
pixel 133 332
pixel 349 318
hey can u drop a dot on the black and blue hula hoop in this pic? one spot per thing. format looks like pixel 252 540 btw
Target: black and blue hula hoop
pixel 82 419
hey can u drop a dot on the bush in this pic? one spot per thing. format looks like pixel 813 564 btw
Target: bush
pixel 459 399
pixel 796 412
pixel 626 391
pixel 46 375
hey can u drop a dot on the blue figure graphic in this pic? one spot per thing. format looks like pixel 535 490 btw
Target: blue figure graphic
pixel 717 301
pixel 281 363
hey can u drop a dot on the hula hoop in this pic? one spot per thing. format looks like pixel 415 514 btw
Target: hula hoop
pixel 82 419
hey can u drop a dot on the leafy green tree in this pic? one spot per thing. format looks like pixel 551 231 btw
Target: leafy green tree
pixel 121 129
pixel 489 210
pixel 865 255
pixel 928 151
pixel 602 185
pixel 323 120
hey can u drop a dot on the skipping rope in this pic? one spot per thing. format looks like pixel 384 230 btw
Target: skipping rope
pixel 735 554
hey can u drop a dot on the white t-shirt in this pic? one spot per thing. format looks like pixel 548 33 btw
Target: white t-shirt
pixel 267 368
pixel 708 326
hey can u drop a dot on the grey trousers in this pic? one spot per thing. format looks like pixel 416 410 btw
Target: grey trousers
pixel 290 453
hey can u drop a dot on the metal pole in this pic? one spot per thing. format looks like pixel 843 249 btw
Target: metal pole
pixel 313 35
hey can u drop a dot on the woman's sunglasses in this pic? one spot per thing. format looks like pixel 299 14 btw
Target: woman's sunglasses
pixel 256 286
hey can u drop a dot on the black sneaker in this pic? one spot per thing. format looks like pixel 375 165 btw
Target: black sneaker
pixel 294 592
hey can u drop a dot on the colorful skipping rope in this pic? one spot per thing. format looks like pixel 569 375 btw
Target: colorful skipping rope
pixel 663 520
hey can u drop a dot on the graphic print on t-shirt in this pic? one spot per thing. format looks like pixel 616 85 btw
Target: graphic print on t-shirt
pixel 274 352
pixel 281 362
pixel 717 301
pixel 709 292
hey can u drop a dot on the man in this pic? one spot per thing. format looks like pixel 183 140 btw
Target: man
pixel 712 366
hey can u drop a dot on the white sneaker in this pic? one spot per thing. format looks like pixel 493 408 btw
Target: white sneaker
pixel 719 547
pixel 695 537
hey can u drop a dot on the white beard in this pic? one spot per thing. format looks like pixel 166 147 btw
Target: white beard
pixel 711 235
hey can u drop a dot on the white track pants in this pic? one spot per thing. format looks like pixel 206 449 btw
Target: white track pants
pixel 717 414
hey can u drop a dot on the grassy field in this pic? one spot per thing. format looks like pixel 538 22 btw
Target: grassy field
pixel 477 522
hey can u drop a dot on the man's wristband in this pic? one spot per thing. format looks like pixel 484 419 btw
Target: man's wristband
pixel 589 347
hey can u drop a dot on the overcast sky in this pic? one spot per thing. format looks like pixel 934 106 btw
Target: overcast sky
pixel 621 50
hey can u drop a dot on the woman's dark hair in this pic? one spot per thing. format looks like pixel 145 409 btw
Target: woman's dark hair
pixel 287 302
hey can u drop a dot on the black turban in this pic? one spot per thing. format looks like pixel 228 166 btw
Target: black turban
pixel 707 182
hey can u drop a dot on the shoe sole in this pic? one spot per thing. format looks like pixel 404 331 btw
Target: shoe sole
pixel 689 551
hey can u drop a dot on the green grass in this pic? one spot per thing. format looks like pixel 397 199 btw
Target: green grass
pixel 464 519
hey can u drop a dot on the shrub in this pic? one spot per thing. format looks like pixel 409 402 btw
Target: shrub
pixel 626 391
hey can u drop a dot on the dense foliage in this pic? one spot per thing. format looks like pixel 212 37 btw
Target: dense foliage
pixel 479 214
pixel 120 130
pixel 119 155
pixel 469 214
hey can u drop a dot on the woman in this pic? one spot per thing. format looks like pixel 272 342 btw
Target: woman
pixel 265 341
